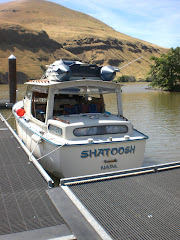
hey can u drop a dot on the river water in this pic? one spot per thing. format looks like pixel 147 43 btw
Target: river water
pixel 154 113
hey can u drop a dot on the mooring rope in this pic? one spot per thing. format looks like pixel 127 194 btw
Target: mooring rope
pixel 9 117
pixel 50 152
pixel 33 150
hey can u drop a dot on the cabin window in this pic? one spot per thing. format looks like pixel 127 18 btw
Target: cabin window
pixel 39 104
pixel 67 104
pixel 110 102
pixel 54 129
pixel 100 130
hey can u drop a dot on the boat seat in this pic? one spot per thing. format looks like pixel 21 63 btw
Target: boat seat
pixel 72 109
pixel 82 108
pixel 40 111
pixel 85 108
pixel 95 108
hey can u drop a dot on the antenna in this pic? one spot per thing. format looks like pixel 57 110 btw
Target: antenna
pixel 131 62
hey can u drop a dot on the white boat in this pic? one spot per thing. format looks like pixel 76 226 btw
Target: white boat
pixel 67 121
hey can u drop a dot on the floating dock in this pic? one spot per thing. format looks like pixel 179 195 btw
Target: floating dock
pixel 139 203
pixel 26 211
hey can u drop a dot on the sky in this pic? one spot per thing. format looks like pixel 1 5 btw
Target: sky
pixel 155 21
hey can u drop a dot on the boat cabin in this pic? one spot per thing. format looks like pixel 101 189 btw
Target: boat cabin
pixel 76 103
pixel 45 101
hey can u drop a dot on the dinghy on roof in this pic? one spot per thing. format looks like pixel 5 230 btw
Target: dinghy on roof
pixel 64 70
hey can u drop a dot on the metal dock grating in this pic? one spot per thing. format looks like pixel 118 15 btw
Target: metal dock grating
pixel 141 206
pixel 132 204
pixel 24 203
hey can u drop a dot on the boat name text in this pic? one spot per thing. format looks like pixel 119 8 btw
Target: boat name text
pixel 107 152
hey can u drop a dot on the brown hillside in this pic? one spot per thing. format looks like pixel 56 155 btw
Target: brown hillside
pixel 37 32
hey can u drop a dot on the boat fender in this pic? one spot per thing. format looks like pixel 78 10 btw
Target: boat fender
pixel 20 112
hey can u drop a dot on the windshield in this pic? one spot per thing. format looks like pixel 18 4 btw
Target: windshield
pixel 67 104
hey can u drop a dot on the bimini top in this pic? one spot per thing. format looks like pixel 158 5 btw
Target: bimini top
pixel 65 70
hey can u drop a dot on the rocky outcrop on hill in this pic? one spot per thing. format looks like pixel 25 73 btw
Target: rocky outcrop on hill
pixel 17 36
pixel 21 78
pixel 107 50
pixel 81 45
pixel 78 46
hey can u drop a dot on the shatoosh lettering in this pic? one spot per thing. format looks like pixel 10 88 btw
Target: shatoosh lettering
pixel 107 152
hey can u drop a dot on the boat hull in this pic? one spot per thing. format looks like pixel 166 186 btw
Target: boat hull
pixel 70 160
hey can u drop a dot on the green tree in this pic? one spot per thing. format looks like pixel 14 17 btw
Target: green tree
pixel 125 78
pixel 166 70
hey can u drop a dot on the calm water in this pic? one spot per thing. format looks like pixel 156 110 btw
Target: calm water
pixel 155 113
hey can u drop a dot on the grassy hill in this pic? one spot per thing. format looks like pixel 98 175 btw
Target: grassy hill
pixel 38 32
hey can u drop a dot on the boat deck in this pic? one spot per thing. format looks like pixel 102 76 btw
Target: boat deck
pixel 26 211
pixel 134 204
